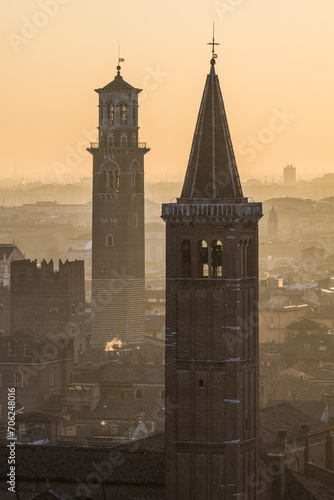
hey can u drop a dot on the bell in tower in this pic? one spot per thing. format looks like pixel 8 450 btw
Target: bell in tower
pixel 118 265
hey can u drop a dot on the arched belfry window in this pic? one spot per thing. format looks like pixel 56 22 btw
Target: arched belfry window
pixel 217 259
pixel 114 181
pixel 124 114
pixel 111 113
pixel 186 258
pixel 111 178
pixel 137 180
pixel 109 240
pixel 203 259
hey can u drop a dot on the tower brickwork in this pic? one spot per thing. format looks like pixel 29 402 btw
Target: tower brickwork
pixel 118 258
pixel 211 320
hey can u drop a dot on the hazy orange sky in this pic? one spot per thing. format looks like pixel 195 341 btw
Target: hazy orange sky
pixel 275 63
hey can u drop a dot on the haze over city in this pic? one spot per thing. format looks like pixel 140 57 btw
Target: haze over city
pixel 166 318
pixel 273 60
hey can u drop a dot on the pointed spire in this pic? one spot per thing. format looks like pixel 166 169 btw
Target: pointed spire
pixel 212 170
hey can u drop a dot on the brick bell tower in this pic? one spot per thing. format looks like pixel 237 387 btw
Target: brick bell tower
pixel 118 252
pixel 211 319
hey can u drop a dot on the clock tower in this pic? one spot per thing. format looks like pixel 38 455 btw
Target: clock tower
pixel 118 251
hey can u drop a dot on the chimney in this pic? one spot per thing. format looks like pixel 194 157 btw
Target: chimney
pixel 306 428
pixel 281 434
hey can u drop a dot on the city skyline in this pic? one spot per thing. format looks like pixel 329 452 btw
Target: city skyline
pixel 278 107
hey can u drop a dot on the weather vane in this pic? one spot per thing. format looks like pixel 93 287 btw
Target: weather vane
pixel 120 59
pixel 213 43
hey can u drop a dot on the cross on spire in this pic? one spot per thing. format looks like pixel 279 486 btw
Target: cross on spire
pixel 213 43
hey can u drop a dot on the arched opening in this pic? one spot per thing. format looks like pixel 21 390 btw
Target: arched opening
pixel 109 240
pixel 139 394
pixel 111 114
pixel 203 259
pixel 124 114
pixel 51 377
pixel 124 141
pixel 71 377
pixel 18 379
pixel 137 182
pixel 114 181
pixel 217 259
pixel 186 259
pixel 110 140
pixel 162 395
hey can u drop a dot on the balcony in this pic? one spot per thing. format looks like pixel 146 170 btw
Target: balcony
pixel 211 210
pixel 96 145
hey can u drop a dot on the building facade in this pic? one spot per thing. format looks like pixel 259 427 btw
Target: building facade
pixel 118 250
pixel 211 320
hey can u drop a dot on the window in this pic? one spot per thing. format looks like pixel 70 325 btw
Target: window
pixel 162 395
pixel 216 259
pixel 201 383
pixel 112 113
pixel 113 181
pixel 124 115
pixel 124 141
pixel 203 259
pixel 18 379
pixel 134 141
pixel 110 140
pixel 109 240
pixel 73 309
pixel 139 394
pixel 246 425
pixel 122 395
pixel 51 377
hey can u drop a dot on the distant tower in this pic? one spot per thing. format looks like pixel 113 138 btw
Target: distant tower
pixel 118 272
pixel 272 225
pixel 211 320
pixel 289 175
